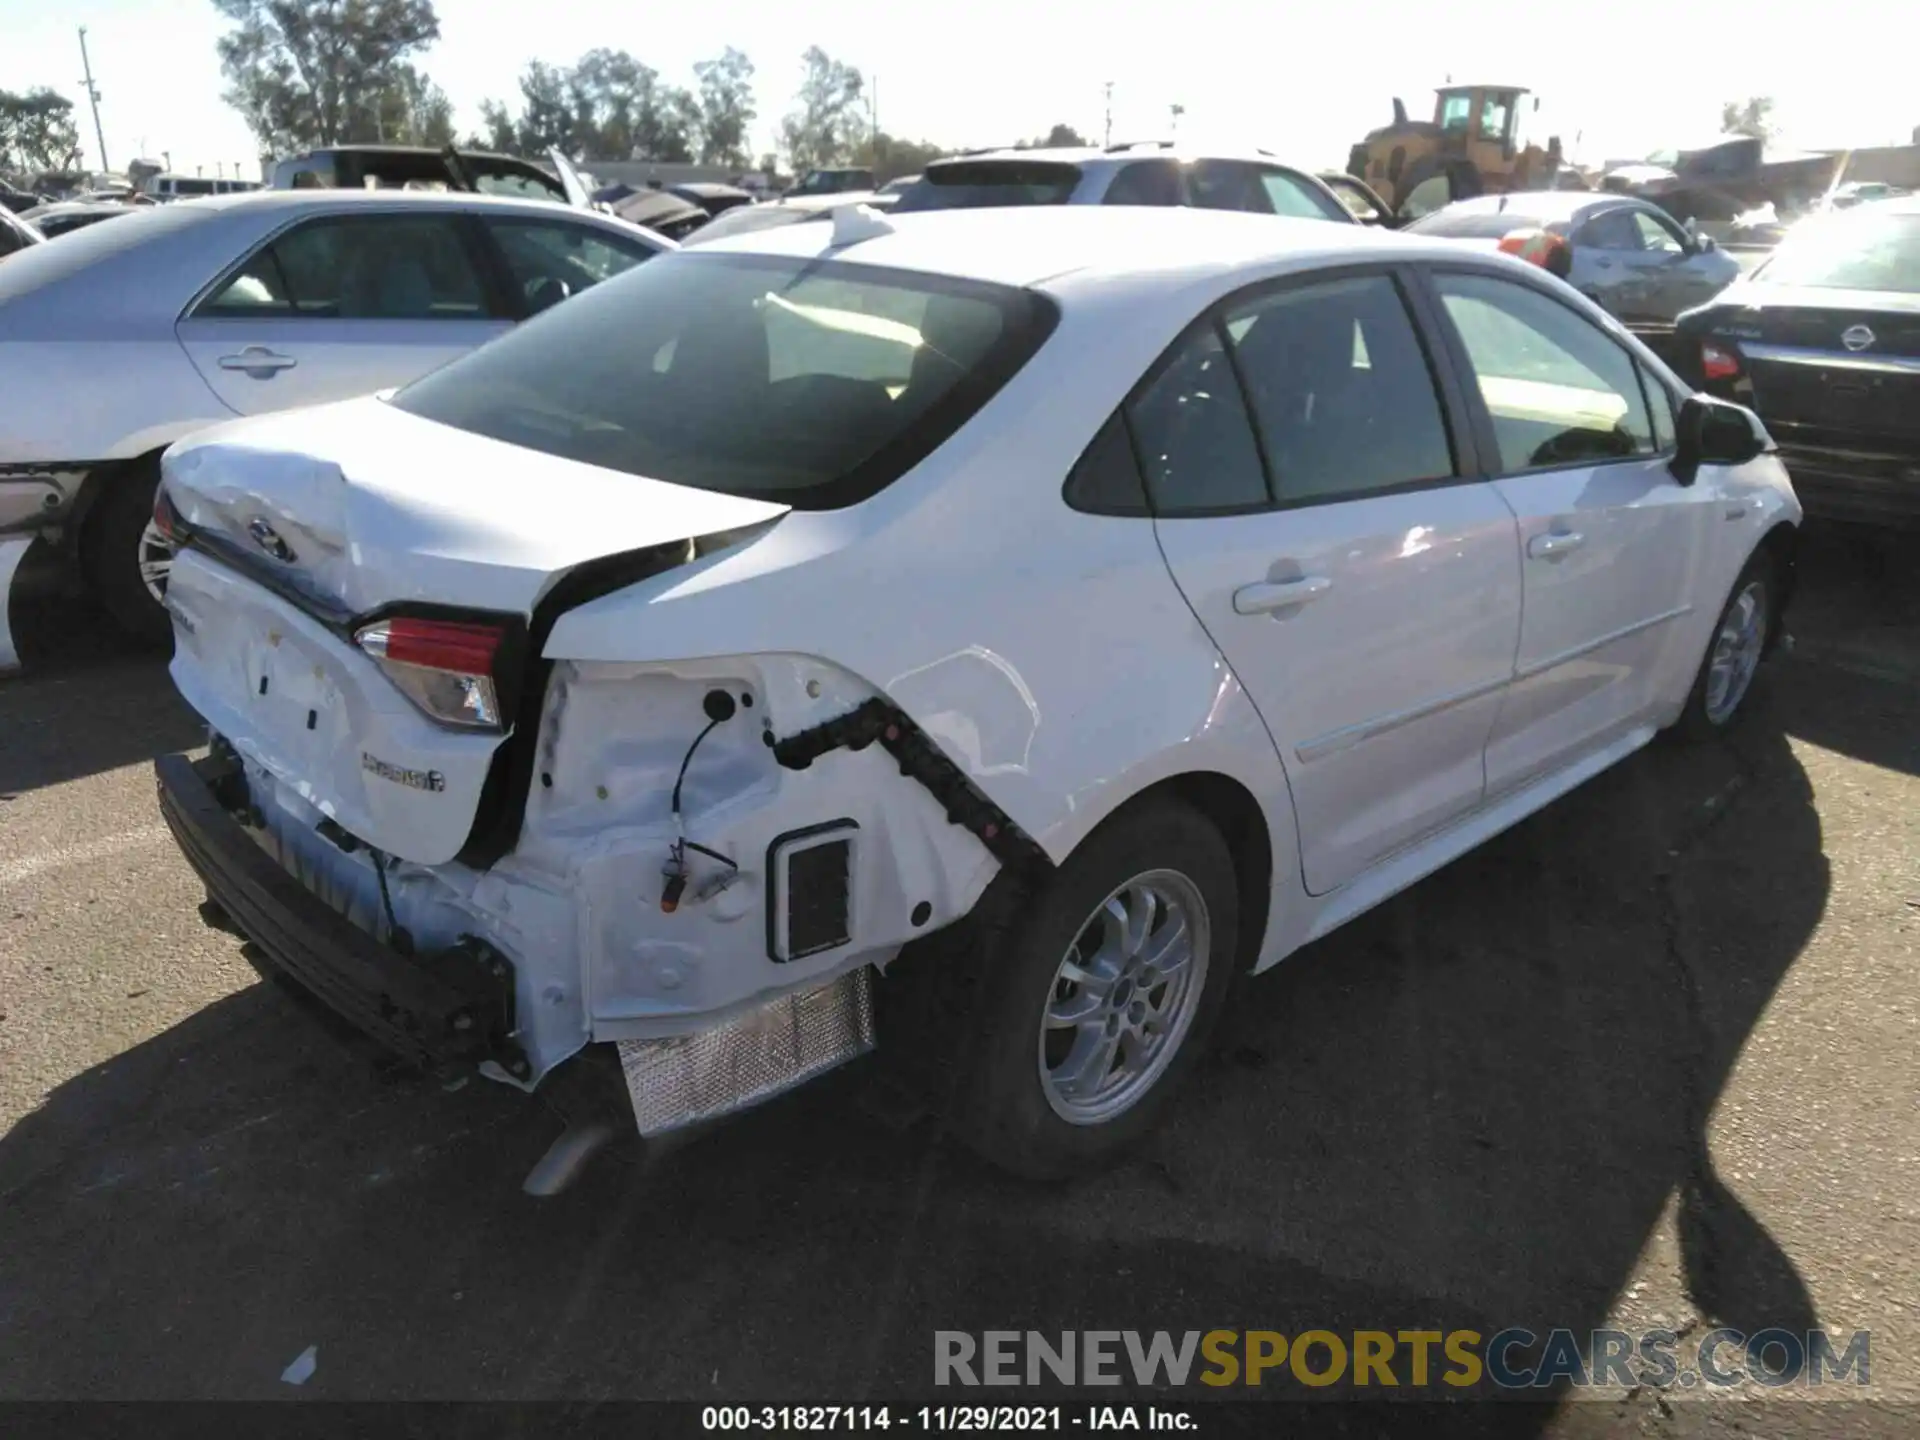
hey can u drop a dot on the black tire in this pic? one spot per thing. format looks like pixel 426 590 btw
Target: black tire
pixel 110 553
pixel 999 1106
pixel 1700 721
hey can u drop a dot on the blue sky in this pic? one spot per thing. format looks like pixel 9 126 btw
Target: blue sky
pixel 1626 76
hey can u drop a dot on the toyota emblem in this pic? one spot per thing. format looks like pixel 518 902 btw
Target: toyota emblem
pixel 1856 337
pixel 268 539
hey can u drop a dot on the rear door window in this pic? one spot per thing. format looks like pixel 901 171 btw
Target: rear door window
pixel 1341 390
pixel 1228 185
pixel 1146 182
pixel 360 267
pixel 1195 441
pixel 1613 230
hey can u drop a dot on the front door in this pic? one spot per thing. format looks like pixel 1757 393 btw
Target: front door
pixel 342 305
pixel 1367 596
pixel 1610 542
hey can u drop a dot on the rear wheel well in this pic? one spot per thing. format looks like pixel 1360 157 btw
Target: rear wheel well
pixel 1231 809
pixel 97 484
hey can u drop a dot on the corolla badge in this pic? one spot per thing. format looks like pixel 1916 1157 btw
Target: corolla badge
pixel 1856 337
pixel 268 539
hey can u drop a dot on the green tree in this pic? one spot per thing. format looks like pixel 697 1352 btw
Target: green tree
pixel 607 106
pixel 546 115
pixel 497 129
pixel 830 121
pixel 1752 116
pixel 726 108
pixel 890 157
pixel 312 72
pixel 1062 137
pixel 411 111
pixel 37 131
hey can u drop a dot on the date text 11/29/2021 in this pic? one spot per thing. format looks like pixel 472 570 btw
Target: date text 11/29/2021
pixel 1044 1419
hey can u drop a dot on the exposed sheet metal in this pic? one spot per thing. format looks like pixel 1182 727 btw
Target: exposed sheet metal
pixel 688 1079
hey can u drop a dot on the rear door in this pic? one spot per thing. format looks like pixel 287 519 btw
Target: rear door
pixel 1608 257
pixel 1611 544
pixel 1338 547
pixel 342 305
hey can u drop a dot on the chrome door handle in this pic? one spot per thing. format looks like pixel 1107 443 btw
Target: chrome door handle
pixel 258 361
pixel 1271 595
pixel 1554 544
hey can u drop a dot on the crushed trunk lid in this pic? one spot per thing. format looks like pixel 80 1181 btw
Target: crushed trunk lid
pixel 307 523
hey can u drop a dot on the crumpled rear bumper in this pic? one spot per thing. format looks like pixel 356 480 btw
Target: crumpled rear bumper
pixel 452 1008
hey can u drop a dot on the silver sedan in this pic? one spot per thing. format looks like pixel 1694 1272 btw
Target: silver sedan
pixel 1627 256
pixel 119 339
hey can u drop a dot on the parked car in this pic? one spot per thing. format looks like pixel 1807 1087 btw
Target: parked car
pixel 1135 174
pixel 713 198
pixel 1626 255
pixel 935 592
pixel 14 201
pixel 16 234
pixel 63 217
pixel 839 181
pixel 1860 192
pixel 772 214
pixel 900 185
pixel 183 314
pixel 1823 339
pixel 480 172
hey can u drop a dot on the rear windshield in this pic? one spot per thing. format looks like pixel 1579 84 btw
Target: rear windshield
pixel 813 383
pixel 1857 250
pixel 987 184
pixel 1472 225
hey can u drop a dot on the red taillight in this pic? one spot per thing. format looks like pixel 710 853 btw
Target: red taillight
pixel 166 519
pixel 444 644
pixel 446 667
pixel 1718 362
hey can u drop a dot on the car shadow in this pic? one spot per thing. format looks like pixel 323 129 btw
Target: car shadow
pixel 1856 627
pixel 1469 1109
pixel 88 699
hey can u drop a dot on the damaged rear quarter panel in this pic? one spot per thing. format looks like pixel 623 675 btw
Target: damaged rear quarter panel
pixel 1047 652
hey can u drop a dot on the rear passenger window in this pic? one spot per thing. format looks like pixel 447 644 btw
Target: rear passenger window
pixel 1341 390
pixel 1195 442
pixel 385 267
pixel 1106 481
pixel 1146 182
pixel 1558 389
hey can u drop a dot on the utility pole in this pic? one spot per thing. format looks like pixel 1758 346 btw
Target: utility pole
pixel 1176 110
pixel 93 97
pixel 1108 136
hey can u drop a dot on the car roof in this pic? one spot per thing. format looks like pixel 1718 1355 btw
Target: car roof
pixel 1121 154
pixel 1029 245
pixel 342 195
pixel 1540 204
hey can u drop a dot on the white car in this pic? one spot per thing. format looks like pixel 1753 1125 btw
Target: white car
pixel 117 340
pixel 983 633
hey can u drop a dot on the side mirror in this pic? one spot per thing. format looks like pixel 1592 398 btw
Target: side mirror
pixel 1714 432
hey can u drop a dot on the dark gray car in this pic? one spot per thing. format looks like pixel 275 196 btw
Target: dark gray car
pixel 1628 256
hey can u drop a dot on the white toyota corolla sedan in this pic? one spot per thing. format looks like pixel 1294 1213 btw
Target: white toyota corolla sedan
pixel 983 635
